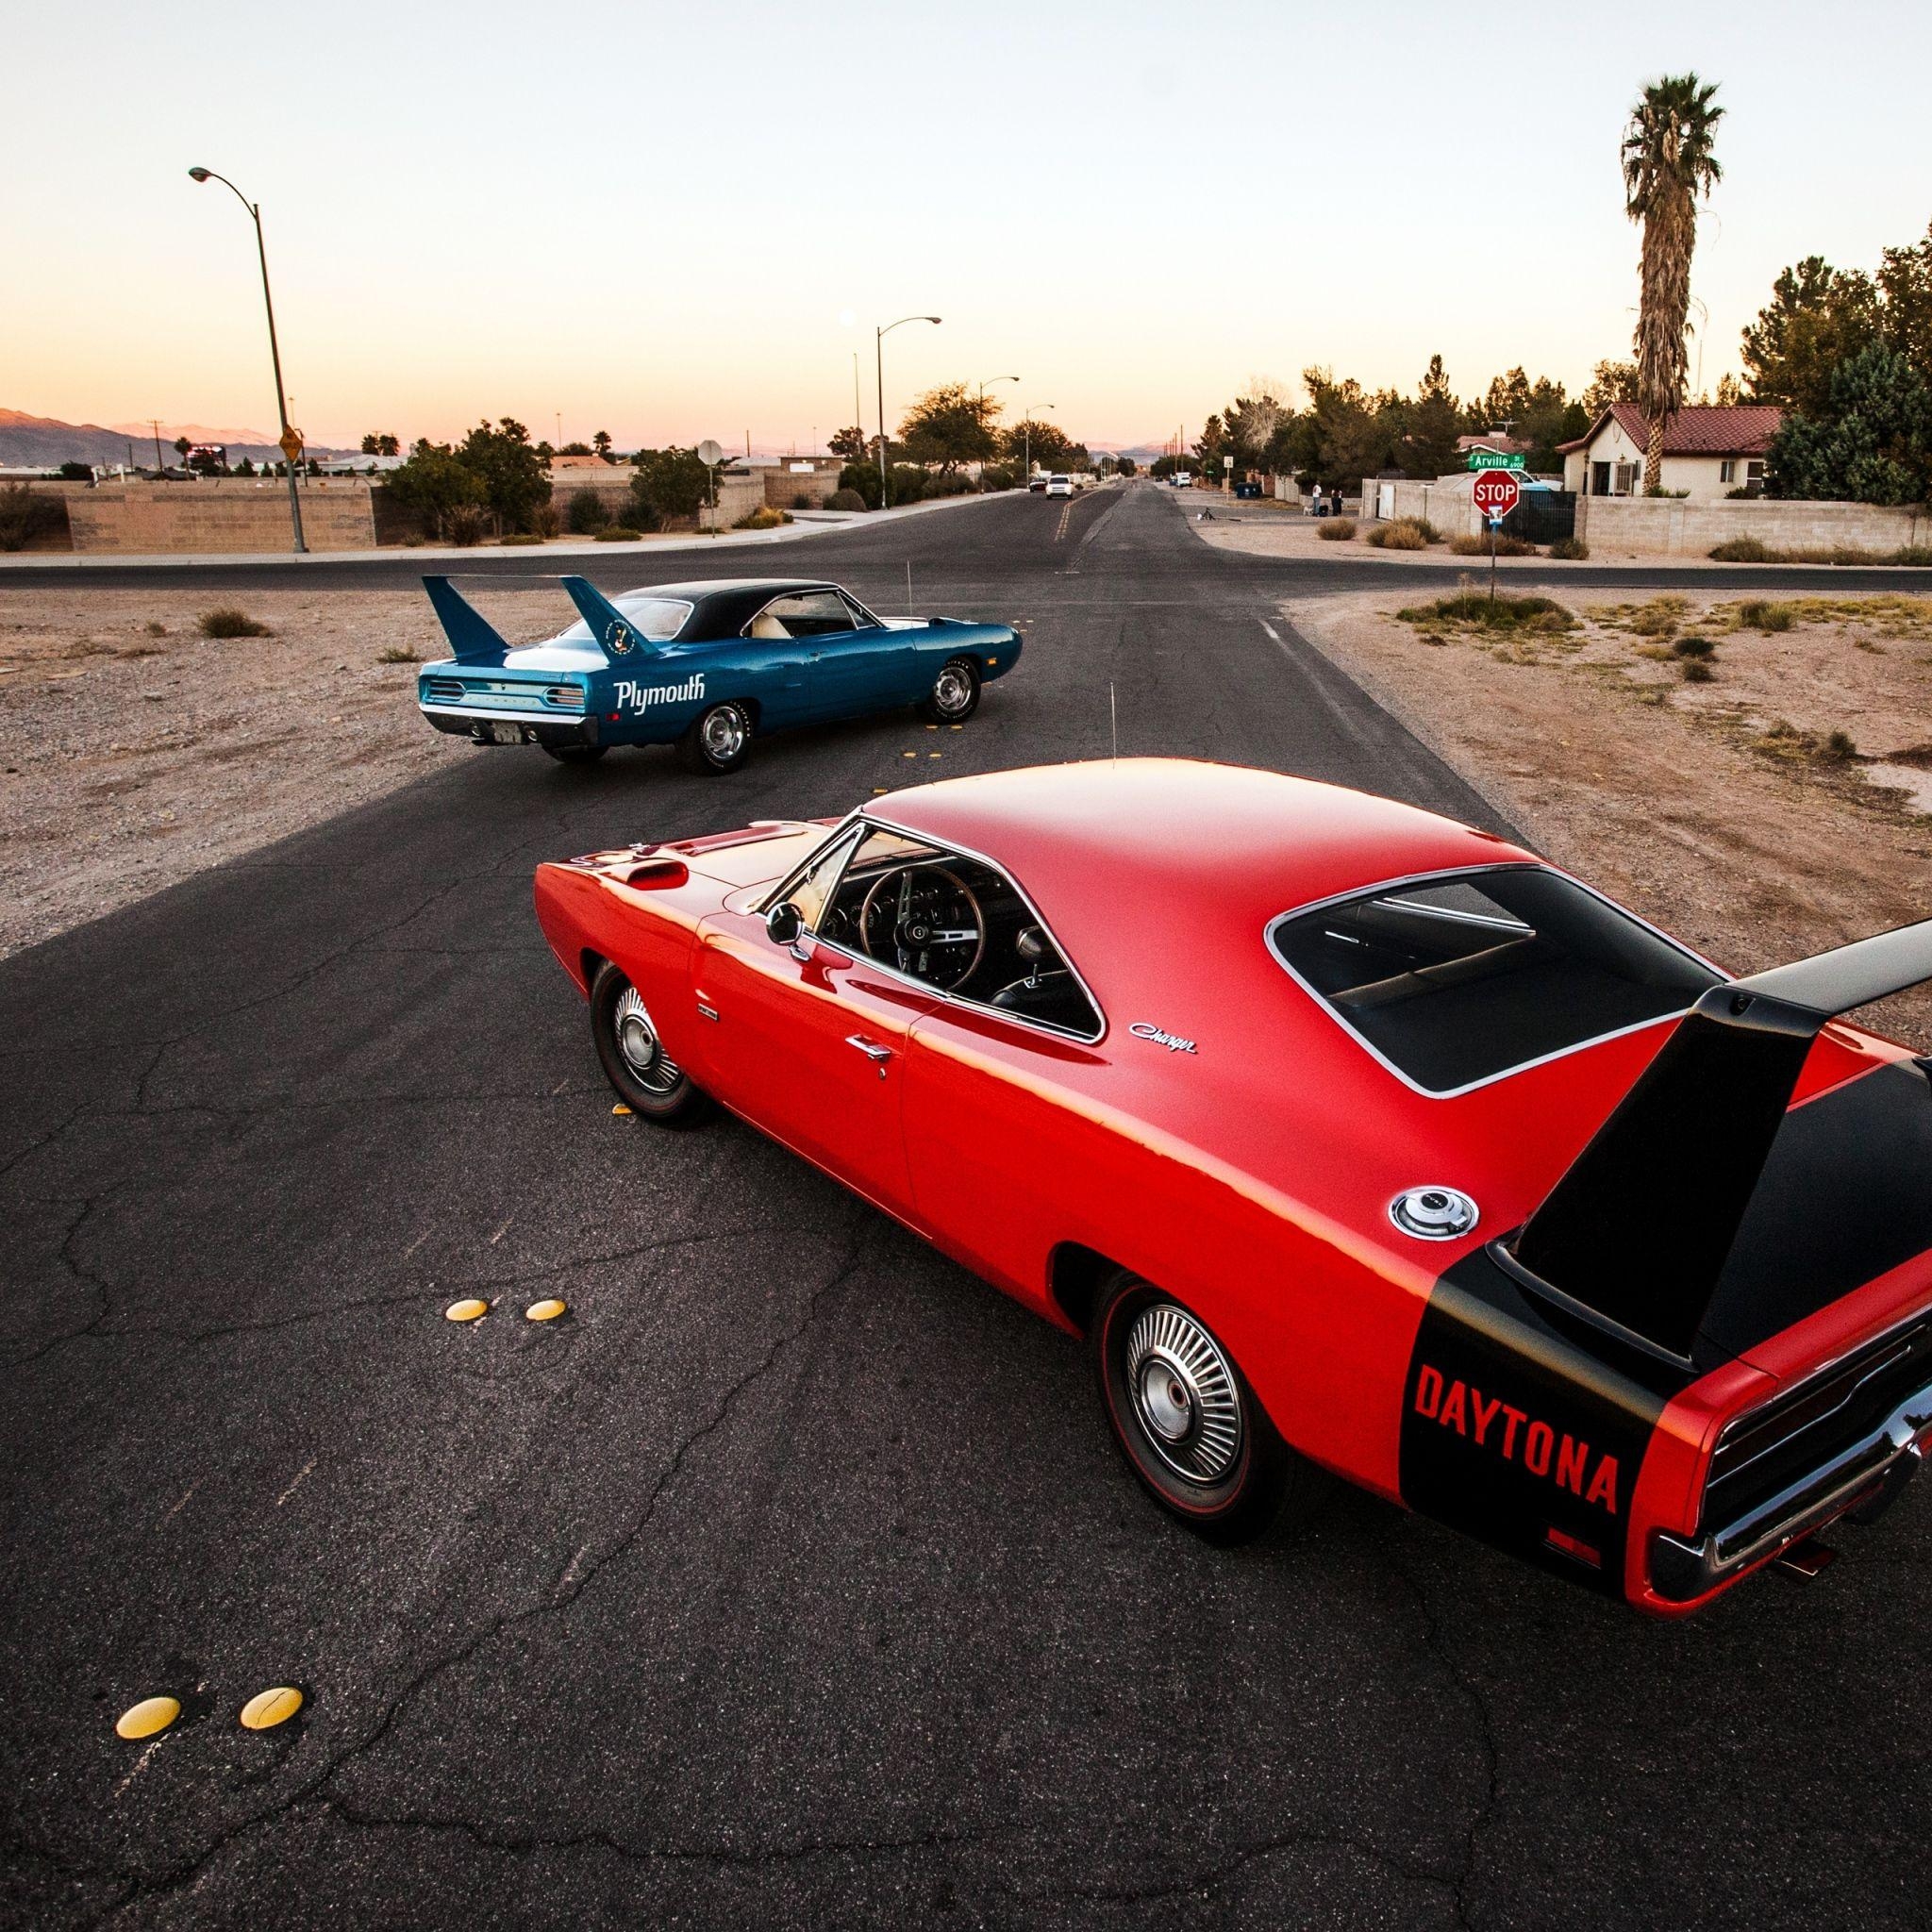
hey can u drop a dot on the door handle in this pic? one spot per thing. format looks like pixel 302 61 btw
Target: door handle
pixel 876 1054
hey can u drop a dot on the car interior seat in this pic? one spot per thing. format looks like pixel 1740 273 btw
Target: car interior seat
pixel 765 625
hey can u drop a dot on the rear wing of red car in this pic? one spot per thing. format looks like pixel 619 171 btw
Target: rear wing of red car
pixel 472 640
pixel 1638 1229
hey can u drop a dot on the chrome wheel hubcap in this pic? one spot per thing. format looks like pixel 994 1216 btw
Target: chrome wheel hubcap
pixel 954 690
pixel 1184 1393
pixel 724 732
pixel 637 1041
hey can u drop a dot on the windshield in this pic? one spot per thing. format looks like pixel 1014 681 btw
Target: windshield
pixel 1460 978
pixel 656 619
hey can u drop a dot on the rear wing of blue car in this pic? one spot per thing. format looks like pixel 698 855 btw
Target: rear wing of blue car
pixel 474 640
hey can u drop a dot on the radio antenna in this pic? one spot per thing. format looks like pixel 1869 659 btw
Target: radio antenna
pixel 1113 720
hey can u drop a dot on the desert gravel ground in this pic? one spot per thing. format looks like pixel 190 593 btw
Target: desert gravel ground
pixel 138 752
pixel 1723 810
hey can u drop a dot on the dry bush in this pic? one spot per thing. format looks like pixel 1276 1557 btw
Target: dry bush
pixel 1335 529
pixel 228 622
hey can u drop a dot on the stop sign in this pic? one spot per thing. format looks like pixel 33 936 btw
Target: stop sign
pixel 1496 492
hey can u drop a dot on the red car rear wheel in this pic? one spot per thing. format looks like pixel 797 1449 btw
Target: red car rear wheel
pixel 1190 1426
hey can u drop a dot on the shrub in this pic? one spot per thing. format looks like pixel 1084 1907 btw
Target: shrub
pixel 1693 647
pixel 948 483
pixel 519 539
pixel 802 500
pixel 27 513
pixel 1506 545
pixel 1335 529
pixel 908 483
pixel 845 499
pixel 763 518
pixel 1837 748
pixel 400 654
pixel 584 513
pixel 1758 614
pixel 1501 612
pixel 1914 556
pixel 464 523
pixel 1740 550
pixel 544 521
pixel 999 476
pixel 861 480
pixel 228 622
pixel 1661 617
pixel 617 533
pixel 1404 533
pixel 1696 671
pixel 155 628
pixel 1570 549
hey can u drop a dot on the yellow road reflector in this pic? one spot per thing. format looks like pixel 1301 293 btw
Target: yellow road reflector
pixel 268 1708
pixel 878 791
pixel 956 727
pixel 908 753
pixel 468 1309
pixel 147 1718
pixel 932 728
pixel 932 754
pixel 622 1111
pixel 546 1310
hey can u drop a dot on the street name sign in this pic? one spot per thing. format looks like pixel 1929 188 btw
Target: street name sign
pixel 1495 460
pixel 1496 493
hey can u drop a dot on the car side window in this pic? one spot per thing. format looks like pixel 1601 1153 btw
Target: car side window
pixel 802 614
pixel 954 924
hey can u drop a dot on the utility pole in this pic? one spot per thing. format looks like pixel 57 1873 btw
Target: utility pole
pixel 155 423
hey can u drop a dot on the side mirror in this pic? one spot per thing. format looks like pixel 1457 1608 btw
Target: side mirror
pixel 784 923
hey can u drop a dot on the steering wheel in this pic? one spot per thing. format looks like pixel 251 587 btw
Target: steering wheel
pixel 927 922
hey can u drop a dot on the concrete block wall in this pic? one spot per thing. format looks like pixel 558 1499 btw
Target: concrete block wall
pixel 1685 528
pixel 783 488
pixel 1447 506
pixel 234 515
pixel 739 492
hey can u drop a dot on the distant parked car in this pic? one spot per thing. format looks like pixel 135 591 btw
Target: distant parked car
pixel 1035 486
pixel 1184 479
pixel 1248 491
pixel 1059 485
pixel 704 666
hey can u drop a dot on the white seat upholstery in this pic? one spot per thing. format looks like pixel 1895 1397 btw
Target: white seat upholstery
pixel 765 625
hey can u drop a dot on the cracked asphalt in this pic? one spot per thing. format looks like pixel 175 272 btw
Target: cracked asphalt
pixel 792 1579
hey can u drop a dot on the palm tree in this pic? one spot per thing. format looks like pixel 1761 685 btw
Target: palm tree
pixel 1668 162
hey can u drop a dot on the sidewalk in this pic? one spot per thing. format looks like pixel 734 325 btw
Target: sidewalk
pixel 805 523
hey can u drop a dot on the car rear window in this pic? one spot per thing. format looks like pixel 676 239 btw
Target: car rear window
pixel 658 619
pixel 1461 977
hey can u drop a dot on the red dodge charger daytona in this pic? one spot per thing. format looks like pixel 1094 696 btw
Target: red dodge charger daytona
pixel 1354 1140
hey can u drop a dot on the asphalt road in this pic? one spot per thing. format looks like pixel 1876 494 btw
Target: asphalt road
pixel 792 1580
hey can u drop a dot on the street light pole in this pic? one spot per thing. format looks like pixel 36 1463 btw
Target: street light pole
pixel 1028 429
pixel 982 418
pixel 880 336
pixel 273 349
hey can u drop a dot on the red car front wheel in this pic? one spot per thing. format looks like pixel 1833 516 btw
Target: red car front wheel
pixel 1187 1422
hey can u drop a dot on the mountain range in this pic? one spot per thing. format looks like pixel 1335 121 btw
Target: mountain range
pixel 41 441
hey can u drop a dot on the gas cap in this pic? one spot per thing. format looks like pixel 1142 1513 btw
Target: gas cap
pixel 1433 1214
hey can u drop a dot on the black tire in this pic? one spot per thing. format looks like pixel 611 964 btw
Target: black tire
pixel 954 695
pixel 717 741
pixel 577 754
pixel 1225 1494
pixel 640 1083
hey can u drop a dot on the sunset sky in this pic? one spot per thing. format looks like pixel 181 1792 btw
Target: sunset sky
pixel 675 222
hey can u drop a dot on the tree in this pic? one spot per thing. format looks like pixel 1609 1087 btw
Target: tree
pixel 1669 161
pixel 669 483
pixel 434 482
pixel 1430 425
pixel 1818 317
pixel 950 425
pixel 575 449
pixel 1905 282
pixel 849 444
pixel 1049 446
pixel 1871 441
pixel 182 446
pixel 1347 433
pixel 1124 465
pixel 1610 382
pixel 381 444
pixel 1252 422
pixel 601 442
pixel 510 469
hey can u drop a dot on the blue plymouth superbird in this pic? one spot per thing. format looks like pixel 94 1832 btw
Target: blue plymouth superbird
pixel 705 667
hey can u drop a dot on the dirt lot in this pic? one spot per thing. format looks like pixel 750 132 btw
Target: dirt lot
pixel 139 751
pixel 1724 809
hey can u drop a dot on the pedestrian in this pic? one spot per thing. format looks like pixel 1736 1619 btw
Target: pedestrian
pixel 1316 501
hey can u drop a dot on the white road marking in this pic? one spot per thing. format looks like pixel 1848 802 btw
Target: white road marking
pixel 182 1503
pixel 306 1469
pixel 1272 632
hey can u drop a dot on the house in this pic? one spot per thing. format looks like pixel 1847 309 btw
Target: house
pixel 1496 442
pixel 1708 454
pixel 562 461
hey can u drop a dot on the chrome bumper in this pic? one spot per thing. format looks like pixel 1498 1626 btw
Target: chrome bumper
pixel 554 728
pixel 1872 1471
